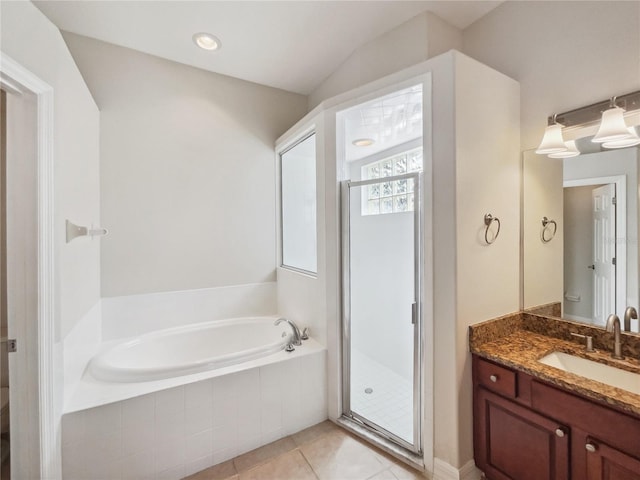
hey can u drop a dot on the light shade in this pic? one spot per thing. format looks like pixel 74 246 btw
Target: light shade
pixel 612 126
pixel 633 139
pixel 571 151
pixel 552 141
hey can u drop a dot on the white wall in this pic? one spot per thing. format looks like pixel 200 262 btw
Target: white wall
pixel 487 174
pixel 578 252
pixel 382 280
pixel 32 40
pixel 422 37
pixel 187 171
pixel 29 38
pixel 542 262
pixel 565 54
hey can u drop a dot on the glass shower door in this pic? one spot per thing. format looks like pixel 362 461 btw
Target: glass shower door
pixel 381 326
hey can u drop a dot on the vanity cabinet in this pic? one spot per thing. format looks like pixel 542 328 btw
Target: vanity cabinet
pixel 526 429
pixel 517 443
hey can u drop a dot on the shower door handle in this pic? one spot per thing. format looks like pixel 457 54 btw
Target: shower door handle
pixel 414 313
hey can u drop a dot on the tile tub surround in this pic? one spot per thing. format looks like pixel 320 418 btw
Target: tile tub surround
pixel 133 315
pixel 179 431
pixel 521 339
pixel 324 452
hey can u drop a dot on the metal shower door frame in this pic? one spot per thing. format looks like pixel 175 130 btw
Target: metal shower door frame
pixel 345 196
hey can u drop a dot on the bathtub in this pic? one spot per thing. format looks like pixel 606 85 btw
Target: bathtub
pixel 170 403
pixel 190 349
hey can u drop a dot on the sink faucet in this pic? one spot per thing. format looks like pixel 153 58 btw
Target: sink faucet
pixel 613 325
pixel 629 313
pixel 297 337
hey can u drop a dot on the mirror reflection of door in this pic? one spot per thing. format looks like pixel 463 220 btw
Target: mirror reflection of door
pixel 589 252
pixel 603 212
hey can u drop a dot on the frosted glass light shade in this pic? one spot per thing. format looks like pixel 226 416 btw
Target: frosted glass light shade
pixel 571 151
pixel 633 140
pixel 552 141
pixel 612 126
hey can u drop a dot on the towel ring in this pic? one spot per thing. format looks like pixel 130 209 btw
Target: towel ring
pixel 488 220
pixel 545 228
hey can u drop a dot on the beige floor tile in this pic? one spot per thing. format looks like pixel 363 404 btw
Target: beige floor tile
pixel 263 454
pixel 338 456
pixel 384 475
pixel 405 472
pixel 222 471
pixel 312 433
pixel 290 466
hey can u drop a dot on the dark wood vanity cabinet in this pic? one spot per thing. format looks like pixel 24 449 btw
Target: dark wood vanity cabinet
pixel 606 463
pixel 513 442
pixel 525 429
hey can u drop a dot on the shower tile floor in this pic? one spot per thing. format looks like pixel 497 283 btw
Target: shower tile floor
pixel 390 401
pixel 321 452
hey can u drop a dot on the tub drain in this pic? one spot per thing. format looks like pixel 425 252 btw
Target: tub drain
pixel 368 390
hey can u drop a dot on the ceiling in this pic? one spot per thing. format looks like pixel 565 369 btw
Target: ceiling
pixel 292 45
pixel 388 121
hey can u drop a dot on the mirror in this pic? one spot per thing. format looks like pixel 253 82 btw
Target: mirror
pixel 580 226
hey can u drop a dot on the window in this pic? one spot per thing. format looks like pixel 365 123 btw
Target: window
pixel 298 206
pixel 393 196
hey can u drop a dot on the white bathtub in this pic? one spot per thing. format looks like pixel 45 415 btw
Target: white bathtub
pixel 190 349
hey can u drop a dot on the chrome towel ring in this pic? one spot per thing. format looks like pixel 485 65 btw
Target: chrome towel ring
pixel 546 238
pixel 488 220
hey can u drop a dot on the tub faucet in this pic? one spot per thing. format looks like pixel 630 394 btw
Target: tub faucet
pixel 629 313
pixel 297 337
pixel 613 325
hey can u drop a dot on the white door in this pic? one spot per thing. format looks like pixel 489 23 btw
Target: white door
pixel 604 252
pixel 22 281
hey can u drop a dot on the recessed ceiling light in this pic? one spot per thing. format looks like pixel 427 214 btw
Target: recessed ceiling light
pixel 363 142
pixel 206 41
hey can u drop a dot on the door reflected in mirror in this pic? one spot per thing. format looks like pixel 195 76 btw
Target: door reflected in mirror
pixel 589 268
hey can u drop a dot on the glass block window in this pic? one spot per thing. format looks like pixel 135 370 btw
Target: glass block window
pixel 393 196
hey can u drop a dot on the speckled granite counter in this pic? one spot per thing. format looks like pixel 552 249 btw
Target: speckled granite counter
pixel 520 340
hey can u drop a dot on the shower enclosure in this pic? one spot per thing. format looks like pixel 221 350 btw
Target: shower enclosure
pixel 382 245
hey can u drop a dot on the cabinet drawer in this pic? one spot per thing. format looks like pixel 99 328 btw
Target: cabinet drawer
pixel 496 378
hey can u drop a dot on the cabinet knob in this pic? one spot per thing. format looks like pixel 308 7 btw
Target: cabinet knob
pixel 559 432
pixel 493 378
pixel 590 447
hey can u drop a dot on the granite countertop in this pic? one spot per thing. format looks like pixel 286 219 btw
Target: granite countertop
pixel 520 340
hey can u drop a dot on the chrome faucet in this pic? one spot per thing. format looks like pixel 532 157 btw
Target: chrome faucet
pixel 297 336
pixel 613 325
pixel 629 313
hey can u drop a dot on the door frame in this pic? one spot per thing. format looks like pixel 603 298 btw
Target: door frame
pixel 620 182
pixel 418 365
pixel 17 79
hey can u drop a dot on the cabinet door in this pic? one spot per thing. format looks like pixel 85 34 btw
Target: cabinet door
pixel 514 443
pixel 606 463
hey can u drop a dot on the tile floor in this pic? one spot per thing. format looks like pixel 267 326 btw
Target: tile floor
pixel 390 401
pixel 322 452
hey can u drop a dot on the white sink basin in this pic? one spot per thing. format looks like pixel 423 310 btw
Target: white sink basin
pixel 599 372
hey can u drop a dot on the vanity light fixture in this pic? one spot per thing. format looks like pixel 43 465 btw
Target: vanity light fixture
pixel 608 117
pixel 631 141
pixel 552 141
pixel 363 142
pixel 571 151
pixel 612 125
pixel 206 41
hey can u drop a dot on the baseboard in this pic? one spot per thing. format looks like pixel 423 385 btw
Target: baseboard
pixel 444 471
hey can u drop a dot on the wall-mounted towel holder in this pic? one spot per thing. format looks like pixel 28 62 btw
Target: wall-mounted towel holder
pixel 74 231
pixel 545 235
pixel 488 220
